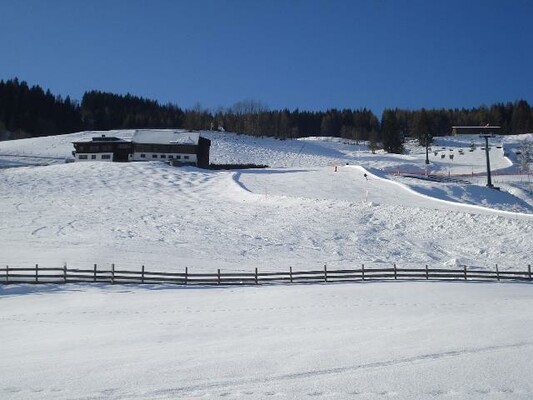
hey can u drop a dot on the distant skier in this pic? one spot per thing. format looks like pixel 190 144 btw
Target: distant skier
pixel 366 176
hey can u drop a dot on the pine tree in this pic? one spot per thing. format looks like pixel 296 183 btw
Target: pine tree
pixel 422 129
pixel 390 131
pixel 521 118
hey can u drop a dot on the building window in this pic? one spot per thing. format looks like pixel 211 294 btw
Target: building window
pixel 143 155
pixel 82 157
pixel 154 155
pixel 178 157
pixel 186 157
pixel 171 156
pixel 163 156
pixel 93 156
pixel 106 157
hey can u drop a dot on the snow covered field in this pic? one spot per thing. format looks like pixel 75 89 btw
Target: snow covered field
pixel 347 341
pixel 341 341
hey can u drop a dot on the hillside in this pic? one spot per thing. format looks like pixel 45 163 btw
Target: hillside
pixel 366 340
pixel 298 213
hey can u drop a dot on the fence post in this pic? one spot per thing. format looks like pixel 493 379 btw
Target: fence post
pixel 112 274
pixel 7 273
pixel 363 272
pixel 427 272
pixel 529 271
pixel 256 277
pixel 290 273
pixel 142 274
pixel 218 276
pixel 325 273
pixel 497 273
pixel 464 269
pixel 36 273
pixel 186 275
pixel 94 272
pixel 65 273
pixel 395 272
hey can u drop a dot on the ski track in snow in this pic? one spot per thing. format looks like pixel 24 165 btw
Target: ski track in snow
pixel 311 375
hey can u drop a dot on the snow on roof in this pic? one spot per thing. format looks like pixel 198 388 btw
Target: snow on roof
pixel 101 138
pixel 165 136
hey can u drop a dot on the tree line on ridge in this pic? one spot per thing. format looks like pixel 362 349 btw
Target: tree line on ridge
pixel 31 111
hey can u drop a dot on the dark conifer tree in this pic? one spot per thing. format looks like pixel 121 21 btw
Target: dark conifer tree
pixel 422 128
pixel 521 118
pixel 390 131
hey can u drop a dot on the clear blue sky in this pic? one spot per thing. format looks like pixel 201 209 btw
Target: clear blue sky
pixel 302 54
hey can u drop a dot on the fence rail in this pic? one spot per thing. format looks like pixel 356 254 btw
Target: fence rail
pixel 38 275
pixel 450 174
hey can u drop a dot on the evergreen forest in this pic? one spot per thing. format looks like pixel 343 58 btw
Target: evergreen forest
pixel 31 111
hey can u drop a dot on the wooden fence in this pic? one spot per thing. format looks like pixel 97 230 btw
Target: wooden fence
pixel 37 275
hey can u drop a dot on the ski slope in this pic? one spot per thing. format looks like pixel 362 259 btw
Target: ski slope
pixel 404 340
pixel 302 216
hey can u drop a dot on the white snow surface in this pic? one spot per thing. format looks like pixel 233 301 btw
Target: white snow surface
pixel 165 136
pixel 403 340
pixel 339 341
pixel 298 213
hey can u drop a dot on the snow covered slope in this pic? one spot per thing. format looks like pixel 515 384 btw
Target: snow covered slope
pixel 341 341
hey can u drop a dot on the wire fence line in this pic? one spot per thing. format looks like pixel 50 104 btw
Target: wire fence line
pixel 444 173
pixel 63 275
